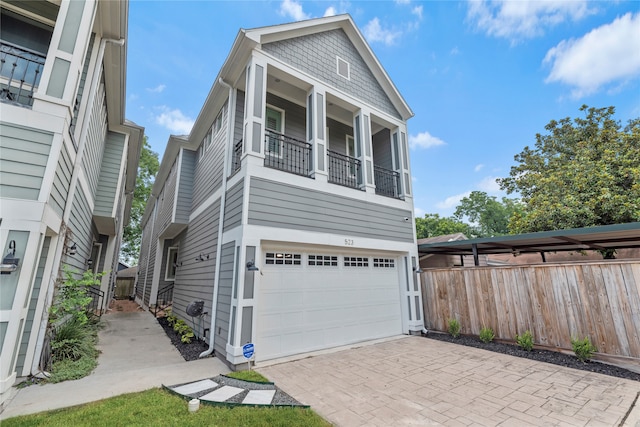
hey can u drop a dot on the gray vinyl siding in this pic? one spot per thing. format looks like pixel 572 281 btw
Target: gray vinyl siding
pixel 61 182
pixel 185 186
pixel 194 279
pixel 82 83
pixel 338 136
pixel 276 204
pixel 315 54
pixel 162 282
pixel 381 142
pixel 82 232
pixel 153 248
pixel 24 153
pixel 94 144
pixel 295 124
pixel 223 306
pixel 167 199
pixel 209 169
pixel 109 174
pixel 233 206
pixel 33 302
pixel 237 126
pixel 145 247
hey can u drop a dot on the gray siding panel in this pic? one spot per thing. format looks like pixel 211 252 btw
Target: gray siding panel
pixel 237 126
pixel 61 182
pixel 275 204
pixel 145 249
pixel 24 153
pixel 338 136
pixel 209 168
pixel 316 54
pixel 382 149
pixel 223 305
pixel 33 302
pixel 109 174
pixel 194 278
pixel 185 186
pixel 96 134
pixel 233 206
pixel 82 233
pixel 295 122
pixel 167 198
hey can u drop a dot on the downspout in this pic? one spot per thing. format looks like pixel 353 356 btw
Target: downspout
pixel 223 201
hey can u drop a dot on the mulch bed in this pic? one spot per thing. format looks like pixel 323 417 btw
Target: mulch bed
pixel 189 351
pixel 547 356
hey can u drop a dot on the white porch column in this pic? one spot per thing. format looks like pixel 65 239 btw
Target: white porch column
pixel 364 150
pixel 254 111
pixel 316 132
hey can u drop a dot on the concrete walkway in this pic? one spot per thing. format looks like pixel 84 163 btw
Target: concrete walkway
pixel 417 381
pixel 136 355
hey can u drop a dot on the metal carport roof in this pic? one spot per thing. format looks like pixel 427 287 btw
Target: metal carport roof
pixel 616 236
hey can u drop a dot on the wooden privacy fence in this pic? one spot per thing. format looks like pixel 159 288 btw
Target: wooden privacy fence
pixel 555 302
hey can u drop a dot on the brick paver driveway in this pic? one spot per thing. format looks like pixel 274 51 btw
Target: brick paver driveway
pixel 417 381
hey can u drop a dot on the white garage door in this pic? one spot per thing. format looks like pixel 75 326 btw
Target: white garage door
pixel 313 301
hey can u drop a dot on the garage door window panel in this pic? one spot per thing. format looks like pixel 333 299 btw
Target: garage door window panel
pixel 352 261
pixel 384 263
pixel 282 258
pixel 323 260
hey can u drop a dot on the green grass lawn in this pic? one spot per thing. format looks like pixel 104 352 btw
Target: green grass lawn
pixel 157 407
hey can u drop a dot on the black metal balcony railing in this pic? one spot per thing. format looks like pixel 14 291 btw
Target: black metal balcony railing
pixel 20 71
pixel 287 154
pixel 237 155
pixel 387 182
pixel 344 170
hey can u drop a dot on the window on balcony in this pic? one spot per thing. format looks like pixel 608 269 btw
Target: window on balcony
pixel 274 122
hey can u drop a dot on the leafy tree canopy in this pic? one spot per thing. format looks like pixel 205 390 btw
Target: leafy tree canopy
pixel 584 172
pixel 434 225
pixel 147 170
pixel 490 216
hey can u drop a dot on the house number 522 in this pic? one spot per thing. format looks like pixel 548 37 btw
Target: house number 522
pixel 348 242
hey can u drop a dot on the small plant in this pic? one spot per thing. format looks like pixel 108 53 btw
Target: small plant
pixel 72 299
pixel 186 333
pixel 583 349
pixel 486 335
pixel 525 341
pixel 454 328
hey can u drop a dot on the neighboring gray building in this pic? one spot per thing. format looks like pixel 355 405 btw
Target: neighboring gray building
pixel 297 165
pixel 68 161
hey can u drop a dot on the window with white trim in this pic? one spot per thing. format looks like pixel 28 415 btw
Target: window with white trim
pixel 281 258
pixel 384 262
pixel 172 263
pixel 356 261
pixel 323 260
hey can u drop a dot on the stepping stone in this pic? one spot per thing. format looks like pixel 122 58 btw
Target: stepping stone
pixel 196 387
pixel 222 394
pixel 259 397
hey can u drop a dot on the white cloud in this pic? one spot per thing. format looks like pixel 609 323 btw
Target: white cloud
pixel 374 32
pixel 133 97
pixel 174 120
pixel 418 212
pixel 610 53
pixel 516 20
pixel 478 167
pixel 331 11
pixel 403 1
pixel 489 185
pixel 157 89
pixel 452 201
pixel 293 9
pixel 417 10
pixel 424 140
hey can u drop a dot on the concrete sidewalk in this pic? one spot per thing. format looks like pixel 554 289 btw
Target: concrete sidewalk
pixel 136 355
pixel 418 381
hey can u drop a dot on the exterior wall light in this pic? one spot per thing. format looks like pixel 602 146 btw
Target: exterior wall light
pixel 417 269
pixel 10 262
pixel 71 250
pixel 251 266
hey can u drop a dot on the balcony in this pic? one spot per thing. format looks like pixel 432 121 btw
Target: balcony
pixel 237 156
pixel 20 71
pixel 287 154
pixel 344 170
pixel 387 182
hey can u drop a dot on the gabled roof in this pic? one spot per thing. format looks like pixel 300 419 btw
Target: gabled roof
pixel 444 238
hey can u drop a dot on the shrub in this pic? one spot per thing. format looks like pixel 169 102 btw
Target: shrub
pixel 72 370
pixel 186 333
pixel 454 328
pixel 525 341
pixel 583 349
pixel 71 299
pixel 486 334
pixel 74 340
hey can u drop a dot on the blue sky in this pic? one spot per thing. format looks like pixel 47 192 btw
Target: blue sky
pixel 482 77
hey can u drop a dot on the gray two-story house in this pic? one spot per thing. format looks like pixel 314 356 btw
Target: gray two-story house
pixel 68 161
pixel 288 208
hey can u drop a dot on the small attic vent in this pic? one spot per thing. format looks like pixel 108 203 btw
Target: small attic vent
pixel 343 68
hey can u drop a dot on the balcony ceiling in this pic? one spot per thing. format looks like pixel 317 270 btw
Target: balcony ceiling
pixel 43 11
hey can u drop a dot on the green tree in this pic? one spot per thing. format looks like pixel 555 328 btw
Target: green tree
pixel 490 215
pixel 434 225
pixel 584 172
pixel 147 170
